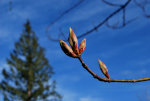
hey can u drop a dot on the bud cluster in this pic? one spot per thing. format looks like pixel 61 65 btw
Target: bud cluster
pixel 73 51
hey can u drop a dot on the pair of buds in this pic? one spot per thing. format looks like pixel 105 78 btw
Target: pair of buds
pixel 73 51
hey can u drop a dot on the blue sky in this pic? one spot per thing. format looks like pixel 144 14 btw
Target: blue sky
pixel 124 51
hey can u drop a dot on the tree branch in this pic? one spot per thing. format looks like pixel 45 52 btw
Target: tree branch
pixel 111 4
pixel 124 16
pixel 76 52
pixel 97 26
pixel 114 26
pixel 105 20
pixel 142 6
pixel 110 80
pixel 117 25
pixel 58 18
pixel 65 12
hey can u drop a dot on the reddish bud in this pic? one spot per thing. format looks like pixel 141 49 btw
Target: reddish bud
pixel 73 41
pixel 82 46
pixel 67 50
pixel 103 68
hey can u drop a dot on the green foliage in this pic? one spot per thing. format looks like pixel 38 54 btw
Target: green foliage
pixel 29 73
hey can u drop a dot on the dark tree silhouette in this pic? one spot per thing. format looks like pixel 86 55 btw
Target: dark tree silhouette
pixel 29 74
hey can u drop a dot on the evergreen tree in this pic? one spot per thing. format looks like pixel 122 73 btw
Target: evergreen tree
pixel 29 73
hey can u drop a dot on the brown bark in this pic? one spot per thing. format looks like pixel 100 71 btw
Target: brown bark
pixel 111 80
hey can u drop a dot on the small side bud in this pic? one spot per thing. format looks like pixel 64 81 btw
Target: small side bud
pixel 82 46
pixel 66 49
pixel 103 68
pixel 73 41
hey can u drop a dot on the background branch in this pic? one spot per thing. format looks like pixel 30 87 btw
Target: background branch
pixel 65 12
pixel 142 5
pixel 98 25
pixel 105 20
pixel 111 4
pixel 58 18
pixel 119 24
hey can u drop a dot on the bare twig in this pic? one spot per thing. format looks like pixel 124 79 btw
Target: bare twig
pixel 114 26
pixel 124 17
pixel 111 4
pixel 65 12
pixel 105 20
pixel 110 80
pixel 142 6
pixel 124 22
pixel 62 34
pixel 117 25
pixel 58 18
pixel 96 27
pixel 52 39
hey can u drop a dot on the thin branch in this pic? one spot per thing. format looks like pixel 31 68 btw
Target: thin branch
pixel 124 22
pixel 122 7
pixel 97 26
pixel 111 80
pixel 124 17
pixel 114 26
pixel 59 35
pixel 50 38
pixel 58 18
pixel 62 35
pixel 123 25
pixel 10 5
pixel 65 12
pixel 111 4
pixel 147 15
pixel 105 20
pixel 139 4
pixel 142 6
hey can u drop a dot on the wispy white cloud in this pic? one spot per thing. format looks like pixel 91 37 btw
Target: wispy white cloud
pixel 67 94
pixel 76 96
